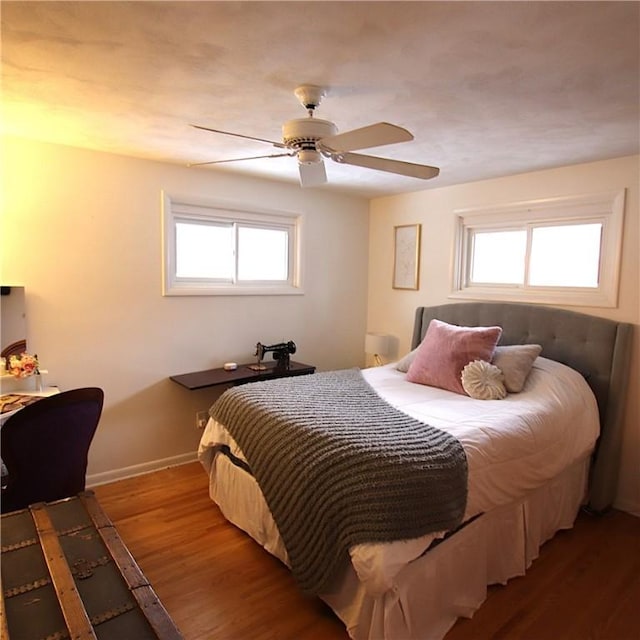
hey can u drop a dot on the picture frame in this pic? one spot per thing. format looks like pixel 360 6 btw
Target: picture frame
pixel 406 256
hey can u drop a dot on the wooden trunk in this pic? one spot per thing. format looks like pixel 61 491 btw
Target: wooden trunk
pixel 67 574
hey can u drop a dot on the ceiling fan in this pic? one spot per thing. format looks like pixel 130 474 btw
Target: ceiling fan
pixel 311 139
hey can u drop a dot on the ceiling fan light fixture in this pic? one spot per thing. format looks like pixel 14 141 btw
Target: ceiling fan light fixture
pixel 309 156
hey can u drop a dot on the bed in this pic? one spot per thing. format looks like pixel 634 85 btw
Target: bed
pixel 566 439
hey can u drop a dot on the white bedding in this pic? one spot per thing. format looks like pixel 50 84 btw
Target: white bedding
pixel 513 446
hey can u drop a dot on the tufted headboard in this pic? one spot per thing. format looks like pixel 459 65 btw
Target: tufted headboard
pixel 598 348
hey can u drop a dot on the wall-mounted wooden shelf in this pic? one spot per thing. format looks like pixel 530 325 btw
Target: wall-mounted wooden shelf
pixel 241 375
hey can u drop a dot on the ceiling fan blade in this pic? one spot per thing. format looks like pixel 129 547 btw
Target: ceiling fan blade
pixel 374 135
pixel 239 135
pixel 410 169
pixel 312 175
pixel 273 155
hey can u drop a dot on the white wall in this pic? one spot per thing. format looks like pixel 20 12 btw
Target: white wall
pixel 81 231
pixel 391 311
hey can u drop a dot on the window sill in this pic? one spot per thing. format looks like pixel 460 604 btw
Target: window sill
pixel 570 298
pixel 234 291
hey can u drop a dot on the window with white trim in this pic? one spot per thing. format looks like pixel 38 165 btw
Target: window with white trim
pixel 219 250
pixel 556 251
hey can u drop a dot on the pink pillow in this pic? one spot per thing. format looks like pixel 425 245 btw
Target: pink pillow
pixel 446 349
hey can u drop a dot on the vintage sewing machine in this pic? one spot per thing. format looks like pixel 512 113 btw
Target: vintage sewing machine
pixel 281 353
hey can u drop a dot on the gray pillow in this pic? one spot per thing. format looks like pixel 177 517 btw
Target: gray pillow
pixel 515 362
pixel 404 363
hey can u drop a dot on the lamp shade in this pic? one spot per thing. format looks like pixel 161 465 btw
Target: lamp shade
pixel 376 343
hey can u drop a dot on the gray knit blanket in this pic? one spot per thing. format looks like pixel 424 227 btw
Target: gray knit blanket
pixel 339 466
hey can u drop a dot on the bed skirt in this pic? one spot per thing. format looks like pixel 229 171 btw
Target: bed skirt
pixel 447 582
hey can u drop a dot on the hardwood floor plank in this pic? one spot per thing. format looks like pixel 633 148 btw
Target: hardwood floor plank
pixel 218 584
pixel 214 580
pixel 576 589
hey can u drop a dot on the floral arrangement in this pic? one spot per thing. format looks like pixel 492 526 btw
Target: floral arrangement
pixel 23 366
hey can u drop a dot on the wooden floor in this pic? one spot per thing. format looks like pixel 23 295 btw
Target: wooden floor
pixel 217 584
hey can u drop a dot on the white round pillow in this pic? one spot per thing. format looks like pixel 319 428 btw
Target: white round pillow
pixel 483 381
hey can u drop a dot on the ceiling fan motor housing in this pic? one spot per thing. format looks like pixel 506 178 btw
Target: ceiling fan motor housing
pixel 302 134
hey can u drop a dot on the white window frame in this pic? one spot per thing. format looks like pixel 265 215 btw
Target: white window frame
pixel 604 208
pixel 176 209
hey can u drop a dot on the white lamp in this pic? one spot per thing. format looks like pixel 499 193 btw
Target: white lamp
pixel 377 344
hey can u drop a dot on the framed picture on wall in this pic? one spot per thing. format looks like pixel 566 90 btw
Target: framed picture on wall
pixel 406 256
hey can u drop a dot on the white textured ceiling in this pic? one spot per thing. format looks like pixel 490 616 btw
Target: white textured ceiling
pixel 487 88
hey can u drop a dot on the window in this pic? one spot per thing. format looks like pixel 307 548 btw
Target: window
pixel 558 251
pixel 216 250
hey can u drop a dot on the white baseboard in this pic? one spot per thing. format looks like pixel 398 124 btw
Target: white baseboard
pixel 96 479
pixel 628 506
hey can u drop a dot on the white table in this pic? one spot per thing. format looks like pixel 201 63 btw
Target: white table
pixel 47 391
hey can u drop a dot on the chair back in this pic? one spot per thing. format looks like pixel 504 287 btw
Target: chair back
pixel 14 349
pixel 45 447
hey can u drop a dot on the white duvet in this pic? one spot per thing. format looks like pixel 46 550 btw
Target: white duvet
pixel 512 446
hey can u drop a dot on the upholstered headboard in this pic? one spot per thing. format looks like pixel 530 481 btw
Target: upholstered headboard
pixel 598 348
